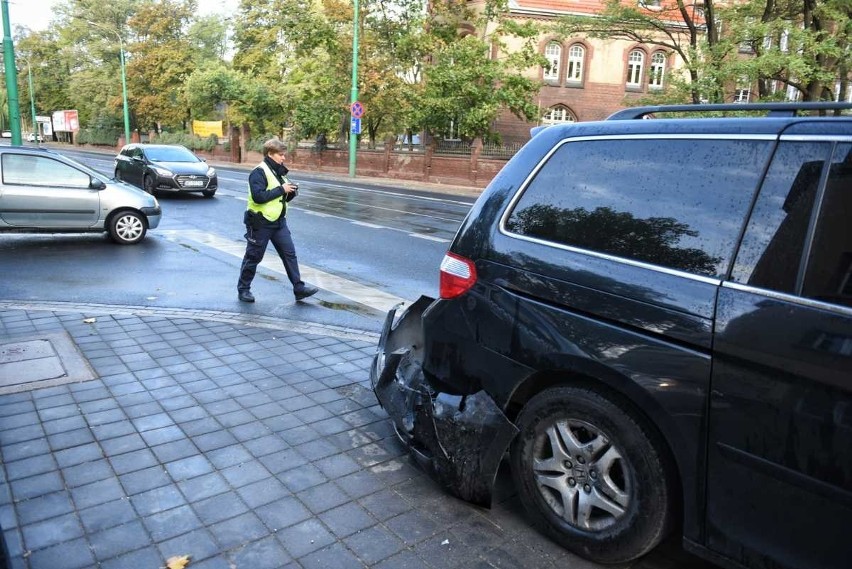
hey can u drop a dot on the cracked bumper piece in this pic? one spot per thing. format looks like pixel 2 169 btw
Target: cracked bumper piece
pixel 459 439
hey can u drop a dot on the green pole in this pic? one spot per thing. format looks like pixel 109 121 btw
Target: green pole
pixel 32 99
pixel 124 92
pixel 353 138
pixel 11 76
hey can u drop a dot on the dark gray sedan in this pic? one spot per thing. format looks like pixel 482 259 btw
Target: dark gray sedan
pixel 165 168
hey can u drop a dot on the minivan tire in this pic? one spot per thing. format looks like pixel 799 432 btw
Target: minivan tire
pixel 581 447
pixel 127 227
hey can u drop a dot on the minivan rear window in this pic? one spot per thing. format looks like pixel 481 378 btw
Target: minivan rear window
pixel 654 200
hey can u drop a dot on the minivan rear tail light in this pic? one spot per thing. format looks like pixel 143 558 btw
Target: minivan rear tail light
pixel 458 275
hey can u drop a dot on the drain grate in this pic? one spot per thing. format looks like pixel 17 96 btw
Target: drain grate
pixel 42 361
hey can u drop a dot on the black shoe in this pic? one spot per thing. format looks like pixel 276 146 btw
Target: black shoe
pixel 306 292
pixel 246 296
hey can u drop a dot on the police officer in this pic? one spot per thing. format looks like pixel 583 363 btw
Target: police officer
pixel 265 219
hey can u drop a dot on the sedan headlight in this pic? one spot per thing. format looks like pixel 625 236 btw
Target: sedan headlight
pixel 162 171
pixel 211 171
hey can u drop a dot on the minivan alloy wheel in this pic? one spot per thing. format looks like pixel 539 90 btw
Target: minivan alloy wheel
pixel 127 228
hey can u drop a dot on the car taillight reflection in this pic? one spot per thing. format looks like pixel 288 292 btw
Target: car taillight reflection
pixel 458 275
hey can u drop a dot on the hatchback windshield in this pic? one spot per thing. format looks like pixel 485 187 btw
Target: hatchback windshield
pixel 171 154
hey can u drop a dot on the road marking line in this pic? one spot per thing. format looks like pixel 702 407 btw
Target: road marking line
pixel 357 292
pixel 370 225
pixel 429 237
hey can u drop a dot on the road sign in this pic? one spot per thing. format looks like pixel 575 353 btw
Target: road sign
pixel 355 126
pixel 357 110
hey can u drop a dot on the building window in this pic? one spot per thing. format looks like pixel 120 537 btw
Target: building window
pixel 651 4
pixel 742 94
pixel 553 53
pixel 558 114
pixel 635 63
pixel 658 70
pixel 576 55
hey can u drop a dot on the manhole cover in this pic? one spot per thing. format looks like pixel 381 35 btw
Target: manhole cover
pixel 42 361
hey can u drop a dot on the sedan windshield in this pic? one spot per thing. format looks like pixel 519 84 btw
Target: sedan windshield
pixel 171 154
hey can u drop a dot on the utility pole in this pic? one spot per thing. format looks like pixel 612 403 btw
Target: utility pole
pixel 11 76
pixel 353 138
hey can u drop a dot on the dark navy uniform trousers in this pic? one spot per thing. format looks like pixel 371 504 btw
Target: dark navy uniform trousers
pixel 256 242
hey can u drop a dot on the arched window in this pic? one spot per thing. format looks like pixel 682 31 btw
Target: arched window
pixel 558 114
pixel 553 54
pixel 658 70
pixel 576 55
pixel 635 63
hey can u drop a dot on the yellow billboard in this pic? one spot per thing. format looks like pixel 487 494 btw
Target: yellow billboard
pixel 206 128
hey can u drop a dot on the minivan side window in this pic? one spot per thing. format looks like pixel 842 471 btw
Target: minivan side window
pixel 772 247
pixel 658 200
pixel 829 272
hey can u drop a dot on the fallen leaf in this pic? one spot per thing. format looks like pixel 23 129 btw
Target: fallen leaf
pixel 445 542
pixel 89 320
pixel 177 562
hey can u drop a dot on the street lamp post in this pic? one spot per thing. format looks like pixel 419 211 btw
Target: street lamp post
pixel 11 76
pixel 32 99
pixel 123 78
pixel 353 138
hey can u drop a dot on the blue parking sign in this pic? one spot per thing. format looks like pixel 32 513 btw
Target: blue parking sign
pixel 356 126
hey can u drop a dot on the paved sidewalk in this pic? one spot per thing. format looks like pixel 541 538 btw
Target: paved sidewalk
pixel 240 442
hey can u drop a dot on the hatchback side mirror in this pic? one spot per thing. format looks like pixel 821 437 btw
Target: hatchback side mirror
pixel 96 184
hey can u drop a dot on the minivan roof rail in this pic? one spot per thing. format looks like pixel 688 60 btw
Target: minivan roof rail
pixel 773 109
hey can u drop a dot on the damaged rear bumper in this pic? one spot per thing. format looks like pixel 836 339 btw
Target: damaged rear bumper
pixel 459 439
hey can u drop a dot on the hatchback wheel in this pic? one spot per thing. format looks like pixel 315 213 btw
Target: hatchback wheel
pixel 127 227
pixel 149 185
pixel 208 193
pixel 592 475
pixel 117 174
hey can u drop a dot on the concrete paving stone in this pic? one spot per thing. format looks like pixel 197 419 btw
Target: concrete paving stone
pixel 372 454
pixel 265 553
pixel 313 414
pixel 251 433
pixel 305 537
pixel 128 384
pixel 14 546
pixel 265 444
pixel 189 467
pixel 44 507
pixel 163 435
pixel 331 426
pixel 51 531
pixel 68 439
pixel 283 513
pixel 157 380
pixel 245 473
pixel 247 395
pixel 374 544
pixel 197 544
pixel 143 480
pixel 73 554
pixel 34 486
pixel 152 422
pixel 19 419
pixel 323 497
pixel 25 449
pixel 299 435
pixel 78 455
pixel 44 402
pixel 385 504
pixel 220 507
pixel 198 427
pixel 214 440
pixel 128 400
pixel 171 523
pixel 107 515
pixel 302 478
pixel 184 406
pixel 149 407
pixel 112 430
pixel 175 450
pixel 281 422
pixel 262 492
pixel 412 526
pixel 337 466
pixel 407 559
pixel 132 461
pixel 292 404
pixel 318 449
pixel 335 556
pixel 89 407
pixel 445 551
pixel 197 489
pixel 87 472
pixel 120 445
pixel 30 467
pixel 236 531
pixel 360 483
pixel 229 456
pixel 234 418
pixel 157 500
pixel 151 375
pixel 97 493
pixel 279 462
pixel 105 417
pixel 480 532
pixel 21 434
pixel 88 391
pixel 218 407
pixel 167 392
pixel 271 410
pixel 216 371
pixel 147 557
pixel 347 519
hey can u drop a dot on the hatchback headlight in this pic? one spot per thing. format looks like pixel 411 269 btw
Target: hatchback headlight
pixel 162 171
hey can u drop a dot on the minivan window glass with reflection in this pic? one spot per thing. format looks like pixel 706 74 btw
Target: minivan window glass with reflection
pixel 649 200
pixel 41 171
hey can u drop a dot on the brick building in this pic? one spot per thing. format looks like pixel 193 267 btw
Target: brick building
pixel 588 78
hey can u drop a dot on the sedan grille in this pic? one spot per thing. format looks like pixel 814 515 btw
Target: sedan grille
pixel 193 181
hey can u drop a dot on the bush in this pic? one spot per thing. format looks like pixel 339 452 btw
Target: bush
pixel 191 141
pixel 98 136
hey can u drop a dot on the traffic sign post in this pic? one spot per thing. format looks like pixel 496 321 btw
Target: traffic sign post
pixel 355 126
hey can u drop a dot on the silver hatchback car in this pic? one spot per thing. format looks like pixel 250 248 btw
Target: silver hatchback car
pixel 44 191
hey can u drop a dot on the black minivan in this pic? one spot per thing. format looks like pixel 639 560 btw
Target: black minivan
pixel 653 320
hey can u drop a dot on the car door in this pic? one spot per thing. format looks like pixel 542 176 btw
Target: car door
pixel 779 485
pixel 41 191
